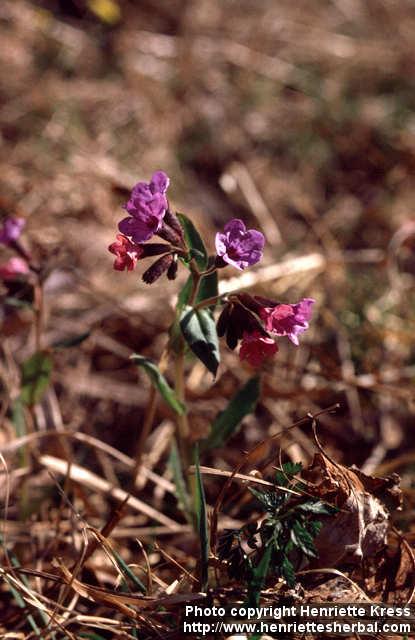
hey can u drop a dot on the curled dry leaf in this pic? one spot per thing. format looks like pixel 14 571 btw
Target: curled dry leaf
pixel 359 530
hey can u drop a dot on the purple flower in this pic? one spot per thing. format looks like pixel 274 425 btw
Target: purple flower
pixel 239 247
pixel 146 207
pixel 288 319
pixel 11 230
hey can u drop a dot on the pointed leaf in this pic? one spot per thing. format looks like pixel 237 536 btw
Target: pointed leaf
pixel 199 331
pixel 36 373
pixel 227 422
pixel 179 482
pixel 202 524
pixel 160 382
pixel 287 571
pixel 303 540
pixel 258 577
pixel 194 242
pixel 289 470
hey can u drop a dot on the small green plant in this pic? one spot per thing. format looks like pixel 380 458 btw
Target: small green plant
pixel 281 540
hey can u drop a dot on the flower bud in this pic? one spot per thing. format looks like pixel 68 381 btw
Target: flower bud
pixel 169 234
pixel 154 249
pixel 157 269
pixel 172 221
pixel 172 270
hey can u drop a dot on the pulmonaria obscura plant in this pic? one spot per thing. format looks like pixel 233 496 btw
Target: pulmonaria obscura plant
pixel 163 240
pixel 252 322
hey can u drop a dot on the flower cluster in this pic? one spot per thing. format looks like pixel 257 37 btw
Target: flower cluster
pixel 149 214
pixel 253 320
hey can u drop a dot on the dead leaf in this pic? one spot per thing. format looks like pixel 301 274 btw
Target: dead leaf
pixel 360 528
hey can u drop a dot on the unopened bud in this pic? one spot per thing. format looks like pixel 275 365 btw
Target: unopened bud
pixel 157 269
pixel 172 220
pixel 154 249
pixel 169 234
pixel 172 270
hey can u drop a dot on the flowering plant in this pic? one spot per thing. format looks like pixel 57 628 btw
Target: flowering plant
pixel 249 321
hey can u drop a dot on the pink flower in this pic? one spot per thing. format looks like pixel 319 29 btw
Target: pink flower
pixel 146 208
pixel 127 253
pixel 238 246
pixel 11 230
pixel 255 348
pixel 13 268
pixel 288 319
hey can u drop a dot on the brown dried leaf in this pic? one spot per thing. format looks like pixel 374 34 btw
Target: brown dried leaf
pixel 359 530
pixel 120 600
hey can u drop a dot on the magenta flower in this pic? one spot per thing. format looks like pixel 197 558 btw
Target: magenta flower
pixel 13 268
pixel 146 207
pixel 255 348
pixel 11 230
pixel 127 253
pixel 239 247
pixel 288 319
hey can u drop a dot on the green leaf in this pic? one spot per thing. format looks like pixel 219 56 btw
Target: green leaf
pixel 199 331
pixel 160 383
pixel 36 373
pixel 202 524
pixel 289 470
pixel 18 418
pixel 287 571
pixel 179 482
pixel 72 341
pixel 127 571
pixel 271 500
pixel 184 295
pixel 242 404
pixel 19 421
pixel 194 242
pixel 258 577
pixel 302 539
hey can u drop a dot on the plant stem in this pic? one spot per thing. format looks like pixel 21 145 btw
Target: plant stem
pixel 147 424
pixel 208 302
pixel 197 276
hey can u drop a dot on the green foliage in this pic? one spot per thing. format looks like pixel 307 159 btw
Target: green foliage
pixel 160 383
pixel 208 288
pixel 36 372
pixel 194 242
pixel 127 572
pixel 258 577
pixel 199 331
pixel 284 537
pixel 226 423
pixel 179 481
pixel 202 524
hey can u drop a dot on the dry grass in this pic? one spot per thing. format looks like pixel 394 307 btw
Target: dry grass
pixel 298 117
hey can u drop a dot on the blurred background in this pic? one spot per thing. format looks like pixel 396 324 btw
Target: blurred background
pixel 297 117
